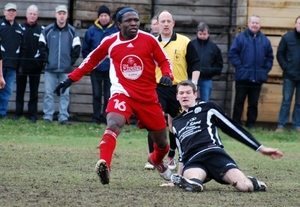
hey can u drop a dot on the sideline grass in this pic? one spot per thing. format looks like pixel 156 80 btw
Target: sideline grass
pixel 52 165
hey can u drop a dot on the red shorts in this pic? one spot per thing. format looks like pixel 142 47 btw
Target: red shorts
pixel 149 115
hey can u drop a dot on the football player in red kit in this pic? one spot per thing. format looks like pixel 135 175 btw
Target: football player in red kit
pixel 134 55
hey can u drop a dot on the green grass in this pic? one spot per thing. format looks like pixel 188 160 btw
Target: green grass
pixel 46 164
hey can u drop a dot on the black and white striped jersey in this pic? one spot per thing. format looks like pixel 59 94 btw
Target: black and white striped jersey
pixel 196 130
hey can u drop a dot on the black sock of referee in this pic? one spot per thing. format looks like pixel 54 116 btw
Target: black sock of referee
pixel 173 146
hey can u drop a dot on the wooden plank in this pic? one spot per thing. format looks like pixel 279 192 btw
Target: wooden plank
pixel 194 11
pixel 275 79
pixel 274 40
pixel 28 2
pixel 193 2
pixel 109 3
pixel 112 5
pixel 87 10
pixel 242 3
pixel 274 12
pixel 81 89
pixel 81 98
pixel 275 3
pixel 275 31
pixel 214 29
pixel 186 21
pixel 81 108
pixel 276 71
pixel 87 15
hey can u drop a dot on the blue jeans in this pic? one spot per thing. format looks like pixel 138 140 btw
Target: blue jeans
pixel 51 81
pixel 5 93
pixel 288 89
pixel 204 89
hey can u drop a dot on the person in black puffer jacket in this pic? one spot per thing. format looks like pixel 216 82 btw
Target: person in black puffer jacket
pixel 31 66
pixel 12 50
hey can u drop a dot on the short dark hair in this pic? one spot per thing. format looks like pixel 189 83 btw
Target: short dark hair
pixel 187 83
pixel 202 27
pixel 297 19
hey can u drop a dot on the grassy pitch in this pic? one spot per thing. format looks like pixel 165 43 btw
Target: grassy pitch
pixel 46 164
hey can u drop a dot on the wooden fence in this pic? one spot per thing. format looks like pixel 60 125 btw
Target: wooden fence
pixel 226 18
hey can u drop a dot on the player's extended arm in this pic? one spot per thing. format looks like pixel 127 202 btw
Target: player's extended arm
pixel 272 152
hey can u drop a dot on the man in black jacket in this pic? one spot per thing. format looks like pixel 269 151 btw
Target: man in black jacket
pixel 210 58
pixel 288 56
pixel 12 48
pixel 31 66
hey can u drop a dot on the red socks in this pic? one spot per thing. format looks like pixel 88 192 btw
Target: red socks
pixel 158 154
pixel 108 145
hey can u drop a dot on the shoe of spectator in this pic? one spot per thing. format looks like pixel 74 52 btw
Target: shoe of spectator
pixel 186 184
pixel 32 119
pixel 102 171
pixel 162 168
pixel 171 163
pixel 149 166
pixel 47 120
pixel 65 122
pixel 279 129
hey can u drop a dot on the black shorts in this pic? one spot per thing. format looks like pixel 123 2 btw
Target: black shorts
pixel 215 162
pixel 167 99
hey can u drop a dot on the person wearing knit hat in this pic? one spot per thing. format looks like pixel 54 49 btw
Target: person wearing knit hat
pixel 103 10
pixel 103 26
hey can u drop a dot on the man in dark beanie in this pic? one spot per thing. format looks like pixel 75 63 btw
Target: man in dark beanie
pixel 103 9
pixel 103 26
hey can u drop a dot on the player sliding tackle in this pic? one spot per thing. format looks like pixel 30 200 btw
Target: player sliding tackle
pixel 201 153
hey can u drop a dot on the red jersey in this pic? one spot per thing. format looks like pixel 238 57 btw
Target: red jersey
pixel 132 65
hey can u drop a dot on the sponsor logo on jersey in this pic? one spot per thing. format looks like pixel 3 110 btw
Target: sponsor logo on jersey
pixel 130 45
pixel 131 67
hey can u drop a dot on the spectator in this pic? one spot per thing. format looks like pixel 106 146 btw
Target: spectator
pixel 132 74
pixel 184 61
pixel 288 56
pixel 210 58
pixel 201 153
pixel 12 49
pixel 103 26
pixel 154 29
pixel 59 45
pixel 31 67
pixel 251 54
